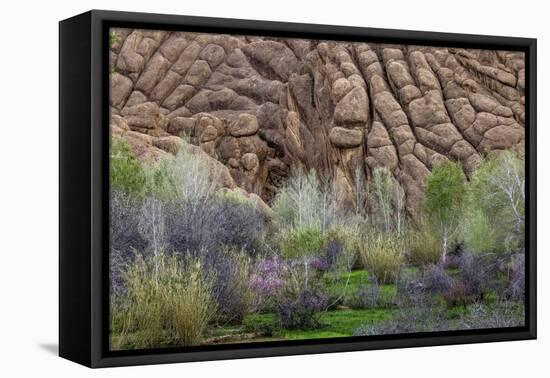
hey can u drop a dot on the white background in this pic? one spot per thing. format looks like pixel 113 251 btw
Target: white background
pixel 29 187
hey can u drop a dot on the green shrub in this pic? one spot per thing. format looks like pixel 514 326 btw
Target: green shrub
pixel 301 242
pixel 382 255
pixel 423 246
pixel 161 182
pixel 126 173
pixel 496 204
pixel 167 301
pixel 233 197
pixel 187 294
pixel 480 235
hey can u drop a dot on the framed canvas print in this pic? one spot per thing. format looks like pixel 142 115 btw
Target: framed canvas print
pixel 234 188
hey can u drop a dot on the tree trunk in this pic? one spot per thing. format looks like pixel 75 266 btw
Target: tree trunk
pixel 444 251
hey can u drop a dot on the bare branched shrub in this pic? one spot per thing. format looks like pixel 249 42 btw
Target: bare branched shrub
pixel 215 223
pixel 125 237
pixel 361 193
pixel 382 190
pixel 368 295
pixel 192 179
pixel 399 201
pixel 153 228
pixel 306 201
pixel 436 279
pixel 516 286
pixel 387 199
pixel 231 290
pixel 500 315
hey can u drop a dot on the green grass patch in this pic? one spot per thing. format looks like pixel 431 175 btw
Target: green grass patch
pixel 338 323
pixel 358 279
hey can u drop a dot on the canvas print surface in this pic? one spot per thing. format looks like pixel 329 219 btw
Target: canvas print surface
pixel 266 189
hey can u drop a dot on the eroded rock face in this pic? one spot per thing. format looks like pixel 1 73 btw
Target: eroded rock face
pixel 257 106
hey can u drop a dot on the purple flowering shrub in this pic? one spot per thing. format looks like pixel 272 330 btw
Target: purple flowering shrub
pixel 290 288
pixel 267 279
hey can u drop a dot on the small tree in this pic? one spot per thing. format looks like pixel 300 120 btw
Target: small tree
pixel 399 199
pixel 497 204
pixel 152 226
pixel 445 193
pixel 382 190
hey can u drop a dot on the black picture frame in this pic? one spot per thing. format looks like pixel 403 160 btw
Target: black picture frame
pixel 84 197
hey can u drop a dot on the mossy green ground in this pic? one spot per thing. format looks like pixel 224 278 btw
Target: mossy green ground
pixel 341 321
pixel 336 323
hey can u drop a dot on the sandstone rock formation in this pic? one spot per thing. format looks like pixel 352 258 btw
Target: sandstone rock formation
pixel 258 106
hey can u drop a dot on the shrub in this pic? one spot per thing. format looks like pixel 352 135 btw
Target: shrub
pixel 337 260
pixel 516 286
pixel 161 181
pixel 382 192
pixel 124 236
pixel 187 292
pixel 126 173
pixel 233 197
pixel 230 270
pixel 499 315
pixel 411 290
pixel 152 224
pixel 299 310
pixel 329 256
pixel 192 178
pixel 474 274
pixel 123 224
pixel 212 224
pixel 472 282
pixel 457 295
pixel 168 300
pixel 423 246
pixel 368 295
pixel 445 194
pixel 498 193
pixel 436 280
pixel 382 256
pixel 305 201
pixel 479 236
pixel 408 320
pixel 388 201
pixel 301 242
pixel 267 279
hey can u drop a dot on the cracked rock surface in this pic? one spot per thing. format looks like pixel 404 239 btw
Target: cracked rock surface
pixel 256 106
